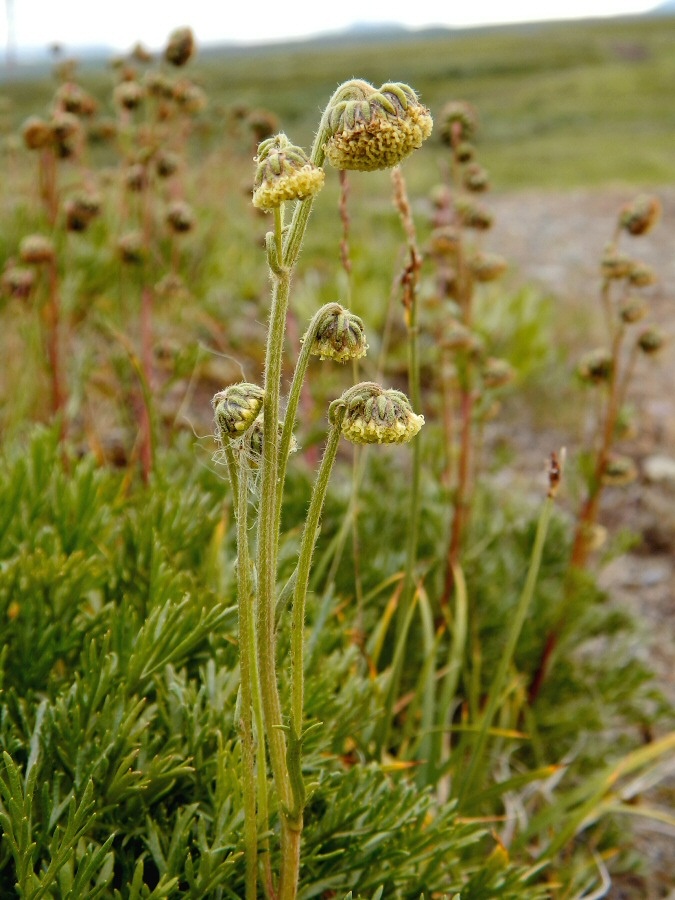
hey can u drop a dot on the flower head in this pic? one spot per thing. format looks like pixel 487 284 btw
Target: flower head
pixel 373 415
pixel 338 335
pixel 374 128
pixel 284 173
pixel 236 409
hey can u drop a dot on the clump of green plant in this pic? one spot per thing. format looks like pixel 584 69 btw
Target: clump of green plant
pixel 365 129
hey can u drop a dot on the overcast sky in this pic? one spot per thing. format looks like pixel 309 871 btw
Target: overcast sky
pixel 120 23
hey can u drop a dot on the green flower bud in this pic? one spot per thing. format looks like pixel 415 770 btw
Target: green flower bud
pixel 375 128
pixel 373 415
pixel 284 173
pixel 651 341
pixel 595 367
pixel 618 471
pixel 236 409
pixel 641 215
pixel 487 266
pixel 36 249
pixel 339 335
pixel 251 443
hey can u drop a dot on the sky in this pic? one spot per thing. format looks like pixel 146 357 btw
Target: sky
pixel 119 24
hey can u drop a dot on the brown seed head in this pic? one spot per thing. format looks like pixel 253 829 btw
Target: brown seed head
pixel 459 122
pixel 181 47
pixel 476 178
pixel 36 133
pixel 487 266
pixel 36 249
pixel 596 367
pixel 180 217
pixel 18 281
pixel 128 95
pixel 641 215
pixel 651 340
pixel 131 248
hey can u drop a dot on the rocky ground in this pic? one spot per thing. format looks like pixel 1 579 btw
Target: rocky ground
pixel 556 240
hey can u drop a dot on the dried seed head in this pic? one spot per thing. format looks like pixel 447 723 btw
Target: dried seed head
pixel 179 217
pixel 445 241
pixel 135 177
pixel 476 178
pixel 632 309
pixel 440 196
pixel 472 215
pixel 141 54
pixel 18 281
pixel 158 85
pixel 373 415
pixel 36 133
pixel 189 96
pixel 641 275
pixel 339 335
pixel 71 98
pixel 464 151
pixel 263 124
pixel 641 215
pixel 166 163
pixel 80 210
pixel 595 367
pixel 131 247
pixel 181 47
pixel 375 128
pixel 497 373
pixel 458 337
pixel 618 471
pixel 36 249
pixel 67 134
pixel 102 131
pixel 236 409
pixel 487 266
pixel 651 340
pixel 615 265
pixel 459 122
pixel 128 95
pixel 284 172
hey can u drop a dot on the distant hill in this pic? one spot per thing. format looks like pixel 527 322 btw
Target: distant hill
pixel 663 9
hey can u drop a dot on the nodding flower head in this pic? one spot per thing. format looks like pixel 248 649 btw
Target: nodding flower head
pixel 181 47
pixel 80 210
pixel 236 409
pixel 651 340
pixel 338 335
pixel 373 415
pixel 284 172
pixel 374 128
pixel 641 215
pixel 251 443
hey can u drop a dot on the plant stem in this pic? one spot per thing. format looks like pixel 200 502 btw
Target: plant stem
pixel 246 665
pixel 498 682
pixel 307 544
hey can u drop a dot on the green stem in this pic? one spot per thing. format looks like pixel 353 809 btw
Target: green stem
pixel 246 666
pixel 497 686
pixel 294 399
pixel 307 544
